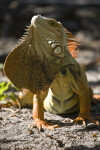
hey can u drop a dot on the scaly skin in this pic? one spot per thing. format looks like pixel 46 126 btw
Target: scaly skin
pixel 39 59
pixel 38 113
pixel 73 83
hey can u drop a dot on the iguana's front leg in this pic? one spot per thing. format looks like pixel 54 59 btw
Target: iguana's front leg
pixel 78 82
pixel 85 107
pixel 38 113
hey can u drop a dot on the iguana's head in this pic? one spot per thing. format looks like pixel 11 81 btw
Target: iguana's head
pixel 49 34
pixel 44 48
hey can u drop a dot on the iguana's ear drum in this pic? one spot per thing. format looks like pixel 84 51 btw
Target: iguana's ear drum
pixel 23 71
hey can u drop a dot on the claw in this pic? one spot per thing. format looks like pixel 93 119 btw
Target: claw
pixel 43 124
pixel 83 117
pixel 84 122
pixel 79 119
pixel 93 121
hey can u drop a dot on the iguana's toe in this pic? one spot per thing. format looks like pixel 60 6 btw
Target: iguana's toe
pixel 44 124
pixel 84 117
pixel 79 119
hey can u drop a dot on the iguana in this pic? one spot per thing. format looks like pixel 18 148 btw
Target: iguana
pixel 44 61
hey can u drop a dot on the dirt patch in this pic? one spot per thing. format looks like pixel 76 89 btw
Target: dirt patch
pixel 18 132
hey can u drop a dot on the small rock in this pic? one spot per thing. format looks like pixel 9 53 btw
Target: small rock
pixel 29 132
pixel 69 120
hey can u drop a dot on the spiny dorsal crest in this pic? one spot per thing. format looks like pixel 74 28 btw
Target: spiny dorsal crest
pixel 72 43
pixel 27 34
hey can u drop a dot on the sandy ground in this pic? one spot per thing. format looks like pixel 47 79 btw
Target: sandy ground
pixel 18 132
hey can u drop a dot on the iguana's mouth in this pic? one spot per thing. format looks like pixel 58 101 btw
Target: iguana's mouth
pixel 55 46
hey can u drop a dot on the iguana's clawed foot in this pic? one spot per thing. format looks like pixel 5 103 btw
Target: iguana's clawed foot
pixel 83 117
pixel 44 124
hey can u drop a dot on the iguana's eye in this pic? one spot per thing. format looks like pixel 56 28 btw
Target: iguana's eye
pixel 57 50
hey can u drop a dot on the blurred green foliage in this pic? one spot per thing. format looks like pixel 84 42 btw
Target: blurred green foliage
pixel 7 97
pixel 4 87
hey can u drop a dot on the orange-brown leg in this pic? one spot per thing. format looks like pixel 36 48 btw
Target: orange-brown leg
pixel 85 106
pixel 79 85
pixel 38 114
pixel 85 111
pixel 85 103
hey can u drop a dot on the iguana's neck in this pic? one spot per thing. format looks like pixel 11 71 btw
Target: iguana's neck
pixel 54 66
